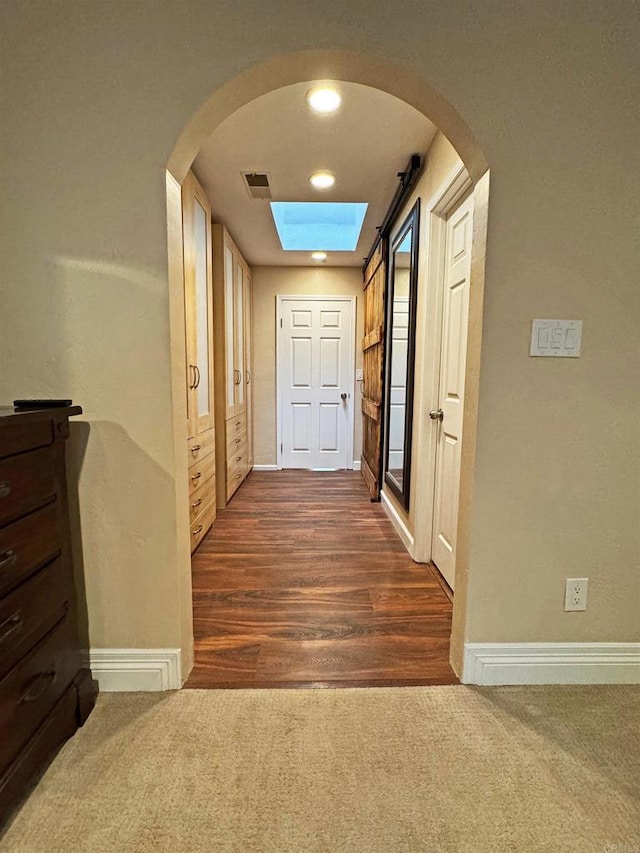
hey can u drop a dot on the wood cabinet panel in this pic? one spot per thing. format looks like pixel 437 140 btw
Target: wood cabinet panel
pixel 234 393
pixel 199 332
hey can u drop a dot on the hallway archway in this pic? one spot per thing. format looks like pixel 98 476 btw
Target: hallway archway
pixel 396 80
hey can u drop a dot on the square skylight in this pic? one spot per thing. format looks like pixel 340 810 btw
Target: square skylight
pixel 318 225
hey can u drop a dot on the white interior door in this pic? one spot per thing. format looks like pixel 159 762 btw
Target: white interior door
pixel 455 315
pixel 316 367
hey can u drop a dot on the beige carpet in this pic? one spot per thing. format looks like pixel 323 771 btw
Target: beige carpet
pixel 364 771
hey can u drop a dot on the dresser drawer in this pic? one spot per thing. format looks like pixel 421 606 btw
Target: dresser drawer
pixel 28 544
pixel 235 443
pixel 237 460
pixel 199 500
pixel 30 690
pixel 27 481
pixel 202 445
pixel 234 426
pixel 202 524
pixel 201 474
pixel 31 610
pixel 18 436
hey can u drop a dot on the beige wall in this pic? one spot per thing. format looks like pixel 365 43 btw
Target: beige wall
pixel 268 282
pixel 95 96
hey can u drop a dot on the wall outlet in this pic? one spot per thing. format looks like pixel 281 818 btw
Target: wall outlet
pixel 575 593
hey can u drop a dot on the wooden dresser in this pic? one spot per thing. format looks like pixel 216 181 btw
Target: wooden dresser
pixel 46 691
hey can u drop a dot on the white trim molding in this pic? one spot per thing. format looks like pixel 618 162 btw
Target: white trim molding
pixel 266 468
pixel 356 464
pixel 551 663
pixel 133 670
pixel 398 523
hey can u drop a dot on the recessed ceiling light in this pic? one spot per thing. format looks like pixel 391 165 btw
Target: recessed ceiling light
pixel 319 256
pixel 322 180
pixel 324 99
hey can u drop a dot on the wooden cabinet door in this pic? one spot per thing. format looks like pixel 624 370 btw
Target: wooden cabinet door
pixel 248 363
pixel 232 377
pixel 238 333
pixel 196 224
pixel 373 367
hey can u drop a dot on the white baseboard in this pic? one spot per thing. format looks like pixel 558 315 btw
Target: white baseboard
pixel 400 527
pixel 551 663
pixel 265 468
pixel 132 670
pixel 356 465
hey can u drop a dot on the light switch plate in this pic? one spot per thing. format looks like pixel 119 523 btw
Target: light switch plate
pixel 359 375
pixel 556 338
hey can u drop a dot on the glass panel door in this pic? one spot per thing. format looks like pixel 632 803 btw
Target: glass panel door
pixel 229 331
pixel 239 334
pixel 203 321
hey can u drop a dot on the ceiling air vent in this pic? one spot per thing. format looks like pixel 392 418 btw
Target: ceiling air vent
pixel 257 184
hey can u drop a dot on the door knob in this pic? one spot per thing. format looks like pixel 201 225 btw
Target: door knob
pixel 436 415
pixel 343 395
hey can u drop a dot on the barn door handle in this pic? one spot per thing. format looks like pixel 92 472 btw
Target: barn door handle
pixel 436 415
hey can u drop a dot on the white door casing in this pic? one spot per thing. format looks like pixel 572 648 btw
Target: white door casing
pixel 455 313
pixel 316 362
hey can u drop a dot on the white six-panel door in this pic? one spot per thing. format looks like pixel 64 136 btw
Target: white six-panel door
pixel 316 364
pixel 451 387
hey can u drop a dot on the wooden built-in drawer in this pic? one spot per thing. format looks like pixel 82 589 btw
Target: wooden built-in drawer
pixel 234 483
pixel 199 501
pixel 29 691
pixel 234 426
pixel 236 442
pixel 18 436
pixel 28 544
pixel 27 481
pixel 201 473
pixel 31 610
pixel 237 461
pixel 202 523
pixel 202 445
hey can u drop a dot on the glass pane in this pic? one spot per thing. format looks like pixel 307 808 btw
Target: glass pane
pixel 399 359
pixel 239 284
pixel 202 309
pixel 228 324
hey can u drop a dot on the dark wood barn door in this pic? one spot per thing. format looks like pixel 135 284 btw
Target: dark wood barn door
pixel 373 364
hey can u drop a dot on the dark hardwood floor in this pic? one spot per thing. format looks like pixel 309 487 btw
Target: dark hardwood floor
pixel 302 582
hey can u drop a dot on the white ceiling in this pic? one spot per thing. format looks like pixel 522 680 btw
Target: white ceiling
pixel 365 144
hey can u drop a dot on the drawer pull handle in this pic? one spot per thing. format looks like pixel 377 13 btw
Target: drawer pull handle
pixel 5 489
pixel 238 440
pixel 238 475
pixel 197 530
pixel 196 504
pixel 197 476
pixel 39 686
pixel 8 558
pixel 196 448
pixel 238 423
pixel 238 458
pixel 10 626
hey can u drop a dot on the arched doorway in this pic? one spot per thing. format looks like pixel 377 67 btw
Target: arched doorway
pixel 368 70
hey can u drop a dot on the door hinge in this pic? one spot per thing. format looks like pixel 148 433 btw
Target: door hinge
pixel 280 322
pixel 281 447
